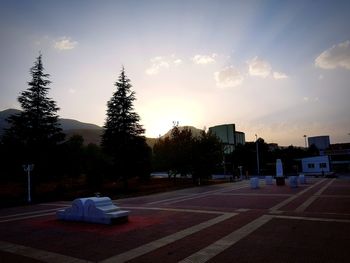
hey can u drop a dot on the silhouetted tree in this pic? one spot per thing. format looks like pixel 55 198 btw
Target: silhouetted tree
pixel 96 166
pixel 35 131
pixel 162 154
pixel 122 136
pixel 73 156
pixel 207 155
pixel 182 153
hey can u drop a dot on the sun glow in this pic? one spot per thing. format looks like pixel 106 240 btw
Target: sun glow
pixel 159 116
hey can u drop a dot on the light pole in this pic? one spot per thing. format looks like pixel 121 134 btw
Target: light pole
pixel 28 168
pixel 257 153
pixel 305 141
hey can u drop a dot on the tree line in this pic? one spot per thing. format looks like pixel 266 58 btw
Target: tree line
pixel 35 137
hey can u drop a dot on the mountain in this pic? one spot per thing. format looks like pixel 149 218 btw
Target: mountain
pixel 195 132
pixel 3 116
pixel 70 124
pixel 66 124
pixel 90 132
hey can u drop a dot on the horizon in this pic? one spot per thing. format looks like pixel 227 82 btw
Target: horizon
pixel 190 126
pixel 278 69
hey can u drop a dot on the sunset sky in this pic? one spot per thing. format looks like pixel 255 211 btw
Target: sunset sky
pixel 278 69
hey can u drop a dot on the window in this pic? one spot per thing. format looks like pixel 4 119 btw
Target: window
pixel 323 165
pixel 311 165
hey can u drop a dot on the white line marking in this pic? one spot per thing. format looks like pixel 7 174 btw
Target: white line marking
pixel 25 217
pixel 334 196
pixel 29 213
pixel 38 254
pixel 193 196
pixel 176 210
pixel 222 244
pixel 170 199
pixel 253 194
pixel 290 199
pixel 139 251
pixel 64 204
pixel 309 201
pixel 314 219
pixel 204 195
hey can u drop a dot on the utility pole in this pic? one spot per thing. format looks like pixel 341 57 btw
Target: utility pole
pixel 257 154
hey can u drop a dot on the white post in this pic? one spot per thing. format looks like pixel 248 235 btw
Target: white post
pixel 28 168
pixel 29 194
pixel 279 168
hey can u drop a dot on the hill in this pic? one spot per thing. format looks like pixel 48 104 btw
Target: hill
pixel 3 116
pixel 195 132
pixel 90 132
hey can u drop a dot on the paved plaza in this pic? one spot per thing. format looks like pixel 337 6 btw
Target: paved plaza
pixel 220 223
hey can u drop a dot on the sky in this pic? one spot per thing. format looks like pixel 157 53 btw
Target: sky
pixel 277 69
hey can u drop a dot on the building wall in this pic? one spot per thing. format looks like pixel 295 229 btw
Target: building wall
pixel 228 136
pixel 315 164
pixel 321 142
pixel 226 133
pixel 240 138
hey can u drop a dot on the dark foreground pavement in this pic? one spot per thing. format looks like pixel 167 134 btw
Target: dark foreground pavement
pixel 221 223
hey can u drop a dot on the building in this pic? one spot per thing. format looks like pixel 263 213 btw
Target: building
pixel 339 155
pixel 239 138
pixel 321 142
pixel 316 165
pixel 228 136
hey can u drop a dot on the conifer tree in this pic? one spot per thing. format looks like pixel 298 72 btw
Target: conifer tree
pixel 122 137
pixel 35 129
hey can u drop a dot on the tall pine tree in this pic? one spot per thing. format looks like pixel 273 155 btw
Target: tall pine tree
pixel 36 130
pixel 122 137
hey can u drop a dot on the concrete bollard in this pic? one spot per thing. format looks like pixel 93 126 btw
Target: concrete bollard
pixel 302 179
pixel 268 180
pixel 254 183
pixel 293 181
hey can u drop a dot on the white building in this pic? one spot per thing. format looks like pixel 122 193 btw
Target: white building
pixel 316 164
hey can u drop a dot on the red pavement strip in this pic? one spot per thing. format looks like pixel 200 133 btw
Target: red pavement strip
pixel 224 223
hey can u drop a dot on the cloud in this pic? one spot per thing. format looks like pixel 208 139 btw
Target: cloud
pixel 157 63
pixel 177 62
pixel 279 75
pixel 334 57
pixel 160 63
pixel 308 99
pixel 204 59
pixel 64 43
pixel 42 41
pixel 228 77
pixel 259 68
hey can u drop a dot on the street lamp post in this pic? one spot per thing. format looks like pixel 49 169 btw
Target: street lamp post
pixel 28 168
pixel 257 153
